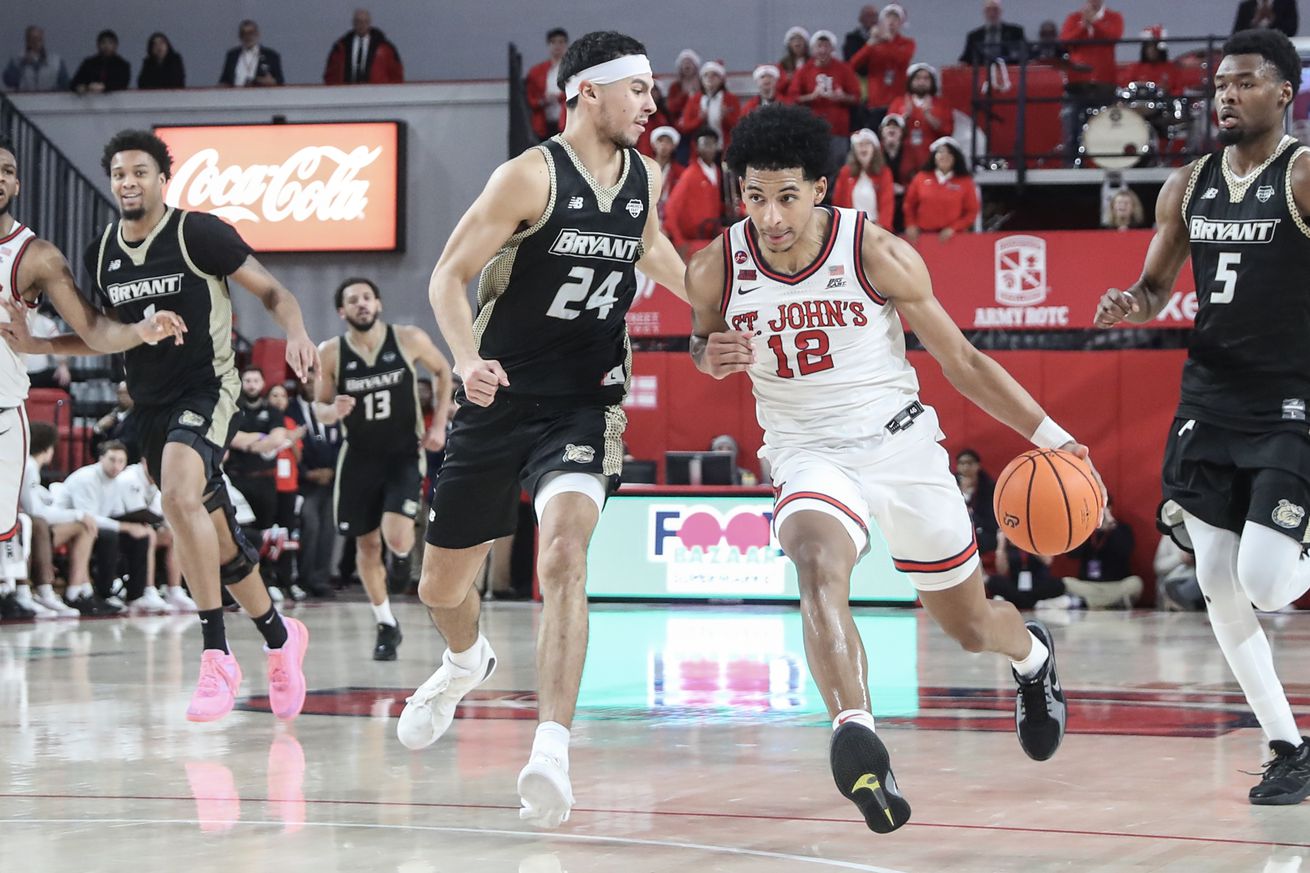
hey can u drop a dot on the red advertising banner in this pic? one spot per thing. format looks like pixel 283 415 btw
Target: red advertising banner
pixel 996 281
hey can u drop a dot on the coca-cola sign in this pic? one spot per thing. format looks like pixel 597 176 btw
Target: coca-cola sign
pixel 294 187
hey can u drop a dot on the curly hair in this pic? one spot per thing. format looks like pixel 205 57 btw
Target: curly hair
pixel 138 141
pixel 339 296
pixel 780 137
pixel 594 48
pixel 1274 47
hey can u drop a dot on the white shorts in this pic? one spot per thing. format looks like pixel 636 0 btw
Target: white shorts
pixel 908 490
pixel 13 450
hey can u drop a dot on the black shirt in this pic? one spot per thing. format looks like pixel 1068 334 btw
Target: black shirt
pixel 168 73
pixel 181 266
pixel 257 417
pixel 113 72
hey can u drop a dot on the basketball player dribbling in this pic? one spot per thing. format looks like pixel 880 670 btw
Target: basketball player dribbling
pixel 184 397
pixel 556 236
pixel 1236 482
pixel 808 300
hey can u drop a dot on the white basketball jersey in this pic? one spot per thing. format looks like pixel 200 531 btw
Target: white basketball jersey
pixel 830 368
pixel 13 370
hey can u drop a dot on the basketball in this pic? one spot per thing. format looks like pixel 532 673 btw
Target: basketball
pixel 1047 501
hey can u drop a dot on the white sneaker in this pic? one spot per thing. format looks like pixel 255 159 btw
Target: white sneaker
pixel 430 710
pixel 117 602
pixel 545 792
pixel 55 604
pixel 23 595
pixel 297 593
pixel 180 601
pixel 275 594
pixel 149 602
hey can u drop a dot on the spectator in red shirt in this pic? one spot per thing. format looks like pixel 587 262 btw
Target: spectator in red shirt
pixel 717 108
pixel 1094 21
pixel 694 211
pixel 928 117
pixel 766 78
pixel 658 118
pixel 942 199
pixel 1153 64
pixel 829 88
pixel 884 59
pixel 864 182
pixel 892 134
pixel 796 43
pixel 545 97
pixel 687 68
pixel 664 142
pixel 363 56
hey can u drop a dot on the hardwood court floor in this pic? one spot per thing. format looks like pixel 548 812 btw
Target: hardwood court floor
pixel 700 746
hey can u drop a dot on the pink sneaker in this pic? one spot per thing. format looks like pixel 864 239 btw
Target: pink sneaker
pixel 218 806
pixel 286 673
pixel 216 690
pixel 286 781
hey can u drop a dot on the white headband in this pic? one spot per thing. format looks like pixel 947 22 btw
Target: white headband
pixel 608 72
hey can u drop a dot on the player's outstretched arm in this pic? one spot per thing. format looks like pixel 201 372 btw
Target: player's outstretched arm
pixel 716 349
pixel 420 347
pixel 661 261
pixel 1168 252
pixel 514 198
pixel 302 356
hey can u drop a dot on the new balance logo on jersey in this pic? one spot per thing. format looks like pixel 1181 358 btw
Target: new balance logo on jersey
pixel 1259 230
pixel 1210 194
pixel 362 384
pixel 575 203
pixel 127 292
pixel 114 265
pixel 351 365
pixel 604 246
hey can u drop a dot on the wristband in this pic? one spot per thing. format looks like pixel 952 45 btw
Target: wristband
pixel 1050 435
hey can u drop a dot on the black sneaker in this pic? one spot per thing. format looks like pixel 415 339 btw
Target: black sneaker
pixel 12 610
pixel 389 638
pixel 1286 780
pixel 1040 712
pixel 862 770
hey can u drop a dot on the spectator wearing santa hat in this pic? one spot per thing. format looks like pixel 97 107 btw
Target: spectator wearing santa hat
pixel 1153 64
pixel 927 115
pixel 796 52
pixel 664 142
pixel 687 68
pixel 865 183
pixel 828 88
pixel 942 199
pixel 891 133
pixel 717 108
pixel 766 78
pixel 884 60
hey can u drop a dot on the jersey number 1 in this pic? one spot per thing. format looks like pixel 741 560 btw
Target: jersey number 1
pixel 812 354
pixel 1224 272
pixel 602 299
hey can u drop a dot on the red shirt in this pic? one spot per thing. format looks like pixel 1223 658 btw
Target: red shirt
pixel 885 64
pixel 1099 57
pixel 884 187
pixel 694 118
pixel 535 85
pixel 287 470
pixel 672 173
pixel 755 102
pixel 1162 73
pixel 922 127
pixel 931 205
pixel 838 75
pixel 694 210
pixel 675 100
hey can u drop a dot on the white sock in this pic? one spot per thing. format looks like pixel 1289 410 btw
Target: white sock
pixel 859 716
pixel 382 612
pixel 46 590
pixel 469 659
pixel 1037 655
pixel 552 739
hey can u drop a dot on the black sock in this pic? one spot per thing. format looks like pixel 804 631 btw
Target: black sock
pixel 271 626
pixel 211 628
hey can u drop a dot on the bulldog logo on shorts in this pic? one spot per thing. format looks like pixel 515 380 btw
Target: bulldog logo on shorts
pixel 579 454
pixel 1287 514
pixel 191 419
pixel 409 508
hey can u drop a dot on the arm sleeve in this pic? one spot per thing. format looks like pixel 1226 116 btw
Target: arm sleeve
pixel 1073 28
pixel 214 245
pixel 860 62
pixel 970 194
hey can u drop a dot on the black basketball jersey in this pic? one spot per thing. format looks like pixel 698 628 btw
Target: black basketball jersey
pixel 386 417
pixel 1248 362
pixel 552 301
pixel 181 266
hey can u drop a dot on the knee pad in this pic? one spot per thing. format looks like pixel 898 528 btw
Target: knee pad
pixel 247 556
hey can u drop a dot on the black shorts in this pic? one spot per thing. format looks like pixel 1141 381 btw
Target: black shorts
pixel 204 420
pixel 493 453
pixel 369 484
pixel 1228 477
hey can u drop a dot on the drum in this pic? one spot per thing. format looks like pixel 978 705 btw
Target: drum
pixel 1147 99
pixel 1115 138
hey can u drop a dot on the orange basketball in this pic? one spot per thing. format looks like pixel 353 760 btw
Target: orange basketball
pixel 1047 501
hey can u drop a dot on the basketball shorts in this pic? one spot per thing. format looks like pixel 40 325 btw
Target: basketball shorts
pixel 1228 477
pixel 13 449
pixel 494 453
pixel 204 420
pixel 906 488
pixel 369 484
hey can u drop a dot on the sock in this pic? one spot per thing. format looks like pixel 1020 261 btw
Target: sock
pixel 470 659
pixel 271 626
pixel 1037 655
pixel 552 739
pixel 858 716
pixel 46 590
pixel 382 612
pixel 211 628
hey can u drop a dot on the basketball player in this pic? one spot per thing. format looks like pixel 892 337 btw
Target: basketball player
pixel 556 235
pixel 1236 478
pixel 370 385
pixel 185 397
pixel 808 301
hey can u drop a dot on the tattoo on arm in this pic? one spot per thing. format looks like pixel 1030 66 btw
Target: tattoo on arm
pixel 697 348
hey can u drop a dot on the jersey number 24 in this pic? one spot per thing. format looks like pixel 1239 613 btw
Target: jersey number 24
pixel 570 294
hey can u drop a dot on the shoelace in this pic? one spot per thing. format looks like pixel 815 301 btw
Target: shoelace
pixel 209 683
pixel 422 696
pixel 1277 767
pixel 1035 698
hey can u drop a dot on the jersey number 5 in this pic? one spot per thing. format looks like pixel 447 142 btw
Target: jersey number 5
pixel 811 354
pixel 377 405
pixel 602 299
pixel 1224 272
